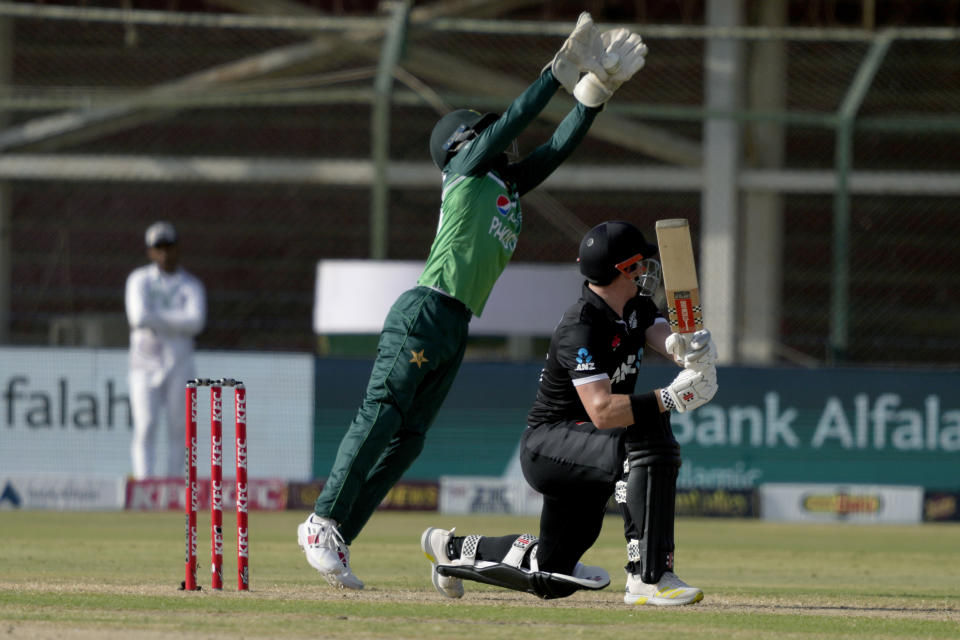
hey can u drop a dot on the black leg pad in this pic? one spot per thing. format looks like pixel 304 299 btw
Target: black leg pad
pixel 651 497
pixel 540 583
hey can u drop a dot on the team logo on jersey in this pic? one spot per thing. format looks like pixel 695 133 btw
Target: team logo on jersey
pixel 503 204
pixel 625 369
pixel 584 360
pixel 616 341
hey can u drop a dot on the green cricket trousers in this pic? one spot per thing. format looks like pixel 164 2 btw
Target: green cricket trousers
pixel 420 350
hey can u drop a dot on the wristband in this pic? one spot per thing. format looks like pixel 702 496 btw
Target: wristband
pixel 668 402
pixel 644 406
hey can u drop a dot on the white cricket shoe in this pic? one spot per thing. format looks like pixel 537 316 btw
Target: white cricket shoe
pixel 434 544
pixel 670 591
pixel 326 551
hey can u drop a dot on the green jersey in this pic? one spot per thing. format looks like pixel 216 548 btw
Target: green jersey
pixel 480 215
pixel 480 223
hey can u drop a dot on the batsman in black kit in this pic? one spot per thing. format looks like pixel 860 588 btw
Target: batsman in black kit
pixel 589 436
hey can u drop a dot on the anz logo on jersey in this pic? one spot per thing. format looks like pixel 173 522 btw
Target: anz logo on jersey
pixel 584 360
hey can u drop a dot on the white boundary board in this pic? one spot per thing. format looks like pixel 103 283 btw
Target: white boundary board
pixel 354 296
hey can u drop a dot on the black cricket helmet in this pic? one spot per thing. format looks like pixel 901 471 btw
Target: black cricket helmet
pixel 610 248
pixel 453 130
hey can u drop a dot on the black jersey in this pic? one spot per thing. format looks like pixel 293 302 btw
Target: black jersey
pixel 591 343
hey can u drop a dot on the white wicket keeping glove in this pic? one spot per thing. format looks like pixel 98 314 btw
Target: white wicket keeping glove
pixel 624 54
pixel 582 51
pixel 696 350
pixel 692 388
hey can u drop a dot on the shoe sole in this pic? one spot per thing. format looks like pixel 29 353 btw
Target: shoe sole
pixel 336 580
pixel 332 576
pixel 658 601
pixel 434 576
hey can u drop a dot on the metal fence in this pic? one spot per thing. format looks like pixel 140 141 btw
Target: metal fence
pixel 273 142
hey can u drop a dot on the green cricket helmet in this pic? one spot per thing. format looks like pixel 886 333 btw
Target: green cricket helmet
pixel 454 130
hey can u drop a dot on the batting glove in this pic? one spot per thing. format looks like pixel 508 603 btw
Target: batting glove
pixel 692 351
pixel 692 388
pixel 624 54
pixel 582 51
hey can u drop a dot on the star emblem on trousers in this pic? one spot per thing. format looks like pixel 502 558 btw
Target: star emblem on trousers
pixel 418 357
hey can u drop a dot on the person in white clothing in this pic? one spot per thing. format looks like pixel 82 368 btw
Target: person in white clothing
pixel 166 307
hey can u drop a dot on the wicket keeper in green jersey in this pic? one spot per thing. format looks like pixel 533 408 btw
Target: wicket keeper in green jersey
pixel 425 332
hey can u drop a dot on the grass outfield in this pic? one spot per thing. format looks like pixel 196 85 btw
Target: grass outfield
pixel 115 575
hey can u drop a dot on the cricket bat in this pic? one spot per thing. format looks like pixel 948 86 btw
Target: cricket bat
pixel 679 277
